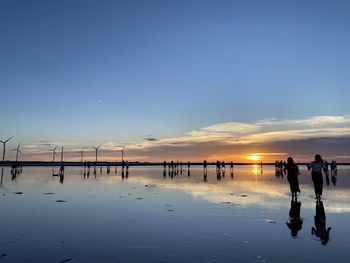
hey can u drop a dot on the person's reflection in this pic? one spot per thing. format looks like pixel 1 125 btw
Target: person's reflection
pixel 218 175
pixel 164 173
pixel 295 221
pixel 205 176
pixel 232 175
pixel 320 230
pixel 334 179
pixel 61 178
pixel 14 174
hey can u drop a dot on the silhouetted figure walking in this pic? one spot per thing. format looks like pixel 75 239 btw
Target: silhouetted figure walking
pixel 218 166
pixel 292 176
pixel 108 168
pixel 295 222
pixel 205 167
pixel 320 230
pixel 334 171
pixel 316 168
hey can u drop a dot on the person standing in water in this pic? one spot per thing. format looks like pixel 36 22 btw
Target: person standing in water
pixel 292 176
pixel 316 168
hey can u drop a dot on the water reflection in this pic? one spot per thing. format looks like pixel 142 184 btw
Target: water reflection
pixel 2 175
pixel 240 206
pixel 320 230
pixel 295 221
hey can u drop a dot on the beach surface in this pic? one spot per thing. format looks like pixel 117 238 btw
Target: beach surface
pixel 152 215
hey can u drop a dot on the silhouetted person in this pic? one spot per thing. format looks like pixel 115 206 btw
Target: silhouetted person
pixel 123 166
pixel 61 169
pixel 205 168
pixel 316 168
pixel 218 166
pixel 334 172
pixel 218 175
pixel 231 167
pixel 334 169
pixel 295 222
pixel 320 230
pixel 164 165
pixel 292 176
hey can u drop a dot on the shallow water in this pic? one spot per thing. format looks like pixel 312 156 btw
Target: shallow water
pixel 155 217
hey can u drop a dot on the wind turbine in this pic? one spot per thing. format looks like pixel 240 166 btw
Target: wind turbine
pixel 123 150
pixel 81 154
pixel 53 154
pixel 17 151
pixel 96 149
pixel 4 147
pixel 62 155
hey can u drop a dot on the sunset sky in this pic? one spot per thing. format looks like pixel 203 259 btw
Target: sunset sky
pixel 184 80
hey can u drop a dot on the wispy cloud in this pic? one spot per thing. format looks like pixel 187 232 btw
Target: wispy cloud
pixel 263 131
pixel 271 138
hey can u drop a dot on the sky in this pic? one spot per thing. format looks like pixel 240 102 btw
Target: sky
pixel 176 79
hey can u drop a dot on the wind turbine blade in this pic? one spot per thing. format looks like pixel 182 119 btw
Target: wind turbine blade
pixel 13 150
pixel 20 151
pixel 9 139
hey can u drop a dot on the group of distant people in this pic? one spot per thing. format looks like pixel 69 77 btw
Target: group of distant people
pixel 317 167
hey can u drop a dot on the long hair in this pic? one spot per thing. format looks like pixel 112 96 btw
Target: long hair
pixel 290 161
pixel 318 158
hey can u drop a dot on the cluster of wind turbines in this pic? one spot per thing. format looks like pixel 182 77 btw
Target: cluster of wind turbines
pixel 18 151
pixel 96 148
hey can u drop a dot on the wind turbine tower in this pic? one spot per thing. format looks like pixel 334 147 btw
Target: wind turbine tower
pixel 4 147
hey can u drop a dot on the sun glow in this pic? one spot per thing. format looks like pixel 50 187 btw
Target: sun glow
pixel 253 157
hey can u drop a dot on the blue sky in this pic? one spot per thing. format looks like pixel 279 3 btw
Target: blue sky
pixel 91 72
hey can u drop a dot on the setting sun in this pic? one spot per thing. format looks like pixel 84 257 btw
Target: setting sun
pixel 253 157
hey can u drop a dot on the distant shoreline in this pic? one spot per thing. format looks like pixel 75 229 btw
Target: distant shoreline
pixel 104 163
